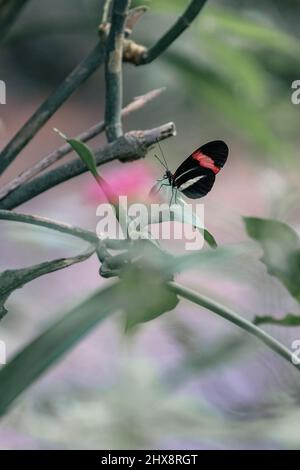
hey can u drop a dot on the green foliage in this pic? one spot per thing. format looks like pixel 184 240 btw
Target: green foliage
pixel 142 294
pixel 140 307
pixel 281 250
pixel 86 155
pixel 55 341
pixel 83 151
pixel 281 255
pixel 209 238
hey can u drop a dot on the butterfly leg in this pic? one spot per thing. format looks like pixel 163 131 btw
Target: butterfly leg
pixel 163 184
pixel 157 190
pixel 171 200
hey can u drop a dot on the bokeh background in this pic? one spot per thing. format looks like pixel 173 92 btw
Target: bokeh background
pixel 187 380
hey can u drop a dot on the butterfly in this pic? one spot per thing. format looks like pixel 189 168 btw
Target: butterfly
pixel 196 175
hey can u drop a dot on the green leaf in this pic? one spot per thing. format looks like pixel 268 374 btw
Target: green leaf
pixel 153 269
pixel 53 343
pixel 143 268
pixel 86 155
pixel 141 308
pixel 281 250
pixel 83 151
pixel 28 365
pixel 210 239
pixel 13 279
pixel 289 320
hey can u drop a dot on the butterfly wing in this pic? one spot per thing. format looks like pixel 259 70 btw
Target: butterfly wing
pixel 198 186
pixel 196 175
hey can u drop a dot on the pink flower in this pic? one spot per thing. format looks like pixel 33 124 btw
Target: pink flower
pixel 133 180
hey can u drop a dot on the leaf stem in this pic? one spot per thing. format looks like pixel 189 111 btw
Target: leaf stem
pixel 234 318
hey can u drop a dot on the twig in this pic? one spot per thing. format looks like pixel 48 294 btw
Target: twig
pixel 81 73
pixel 53 157
pixel 146 56
pixel 234 318
pixel 51 224
pixel 105 11
pixel 9 11
pixel 113 70
pixel 130 146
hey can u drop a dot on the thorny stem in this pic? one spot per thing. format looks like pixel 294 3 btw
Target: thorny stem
pixel 130 146
pixel 65 149
pixel 113 70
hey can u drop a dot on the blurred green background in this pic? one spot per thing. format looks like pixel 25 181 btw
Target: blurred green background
pixel 186 380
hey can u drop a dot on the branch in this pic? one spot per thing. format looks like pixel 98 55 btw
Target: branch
pixel 113 70
pixel 9 11
pixel 81 73
pixel 105 11
pixel 139 55
pixel 53 157
pixel 51 224
pixel 234 318
pixel 130 146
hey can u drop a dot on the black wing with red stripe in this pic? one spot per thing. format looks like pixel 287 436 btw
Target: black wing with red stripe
pixel 196 175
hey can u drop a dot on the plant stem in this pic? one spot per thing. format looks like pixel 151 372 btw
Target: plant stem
pixel 9 11
pixel 130 146
pixel 65 149
pixel 234 318
pixel 81 73
pixel 105 11
pixel 51 224
pixel 113 70
pixel 172 34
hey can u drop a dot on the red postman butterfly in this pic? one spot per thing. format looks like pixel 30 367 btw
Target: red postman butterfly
pixel 195 177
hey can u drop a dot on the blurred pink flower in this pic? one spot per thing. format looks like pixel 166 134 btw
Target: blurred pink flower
pixel 133 180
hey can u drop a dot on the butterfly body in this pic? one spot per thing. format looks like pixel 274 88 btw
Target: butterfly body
pixel 195 177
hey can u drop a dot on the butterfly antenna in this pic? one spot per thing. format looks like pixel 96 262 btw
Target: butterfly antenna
pixel 161 151
pixel 160 162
